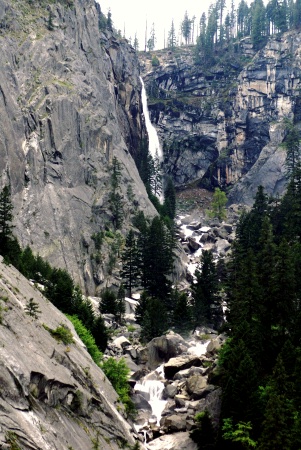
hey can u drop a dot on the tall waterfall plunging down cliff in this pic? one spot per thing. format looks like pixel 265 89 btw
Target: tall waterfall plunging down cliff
pixel 153 139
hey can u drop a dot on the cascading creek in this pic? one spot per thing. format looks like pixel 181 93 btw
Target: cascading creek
pixel 151 388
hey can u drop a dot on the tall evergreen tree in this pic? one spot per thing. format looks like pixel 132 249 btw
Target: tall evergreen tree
pixel 186 28
pixel 129 272
pixel 204 291
pixel 169 206
pixel 6 217
pixel 172 37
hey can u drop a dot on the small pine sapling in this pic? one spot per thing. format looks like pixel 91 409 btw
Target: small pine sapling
pixel 32 308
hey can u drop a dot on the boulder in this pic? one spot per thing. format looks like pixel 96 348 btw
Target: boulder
pixel 227 227
pixel 175 441
pixel 222 246
pixel 161 349
pixel 175 422
pixel 140 402
pixel 121 342
pixel 196 385
pixel 170 391
pixel 194 225
pixel 181 362
pixel 193 243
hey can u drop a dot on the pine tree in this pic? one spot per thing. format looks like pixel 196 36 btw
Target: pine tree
pixel 169 206
pixel 116 198
pixel 258 23
pixel 32 308
pixel 172 37
pixel 279 413
pixel 109 21
pixel 186 28
pixel 204 291
pixel 154 320
pixel 6 218
pixel 136 43
pixel 120 304
pixel 129 272
pixel 182 312
pixel 292 145
pixel 151 43
pixel 157 262
pixel 100 333
pixel 108 302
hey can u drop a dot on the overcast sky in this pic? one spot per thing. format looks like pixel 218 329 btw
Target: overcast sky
pixel 132 15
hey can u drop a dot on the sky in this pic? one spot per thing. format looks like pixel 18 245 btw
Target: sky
pixel 131 16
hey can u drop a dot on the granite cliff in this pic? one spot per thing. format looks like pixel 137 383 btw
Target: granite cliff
pixel 70 102
pixel 52 396
pixel 224 125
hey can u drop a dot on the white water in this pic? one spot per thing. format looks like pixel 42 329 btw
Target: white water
pixel 153 139
pixel 198 348
pixel 153 385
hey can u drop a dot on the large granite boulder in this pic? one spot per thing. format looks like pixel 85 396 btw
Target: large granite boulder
pixel 161 349
pixel 182 362
pixel 175 441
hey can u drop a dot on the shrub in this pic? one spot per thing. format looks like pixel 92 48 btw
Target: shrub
pixel 155 61
pixel 61 333
pixel 87 338
pixel 117 372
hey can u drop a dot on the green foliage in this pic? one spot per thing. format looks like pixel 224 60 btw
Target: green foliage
pixel 118 373
pixel 116 197
pixel 12 439
pixel 6 217
pixel 61 333
pixel 204 291
pixel 155 61
pixel 108 304
pixel 98 239
pixel 203 433
pixel 87 338
pixel 32 308
pixel 218 205
pixel 238 433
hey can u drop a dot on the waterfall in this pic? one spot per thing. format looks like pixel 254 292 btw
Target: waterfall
pixel 154 389
pixel 153 139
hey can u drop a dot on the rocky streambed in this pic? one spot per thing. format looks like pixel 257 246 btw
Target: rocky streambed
pixel 171 377
pixel 171 383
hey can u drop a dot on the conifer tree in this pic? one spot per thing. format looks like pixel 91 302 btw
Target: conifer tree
pixel 136 43
pixel 186 28
pixel 182 313
pixel 108 302
pixel 120 304
pixel 32 308
pixel 172 37
pixel 129 272
pixel 151 43
pixel 6 217
pixel 169 206
pixel 204 291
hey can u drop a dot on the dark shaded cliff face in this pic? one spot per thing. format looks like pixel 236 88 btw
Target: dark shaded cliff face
pixel 224 125
pixel 69 101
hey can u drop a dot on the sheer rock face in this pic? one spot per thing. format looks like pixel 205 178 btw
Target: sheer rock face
pixel 52 395
pixel 225 125
pixel 69 101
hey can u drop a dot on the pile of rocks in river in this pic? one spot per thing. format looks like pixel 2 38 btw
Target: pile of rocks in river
pixel 185 376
